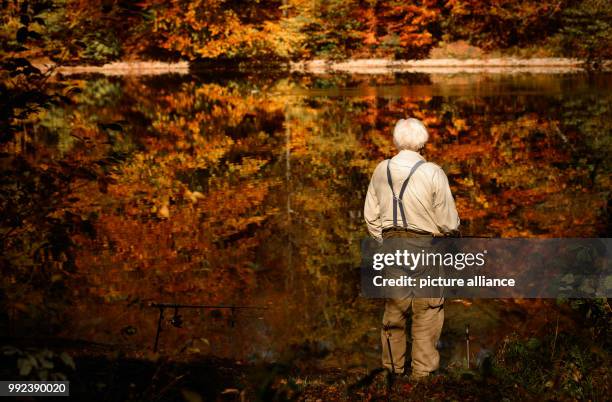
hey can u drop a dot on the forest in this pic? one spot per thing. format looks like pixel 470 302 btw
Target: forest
pixel 245 188
pixel 77 31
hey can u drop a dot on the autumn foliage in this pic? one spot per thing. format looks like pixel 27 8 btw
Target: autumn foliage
pixel 504 23
pixel 272 30
pixel 247 188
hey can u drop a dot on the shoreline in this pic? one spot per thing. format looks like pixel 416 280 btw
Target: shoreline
pixel 508 65
pixel 442 66
pixel 117 68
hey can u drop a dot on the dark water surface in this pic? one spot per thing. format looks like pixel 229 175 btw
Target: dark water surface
pixel 248 190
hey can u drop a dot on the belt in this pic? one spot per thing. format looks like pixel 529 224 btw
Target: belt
pixel 398 231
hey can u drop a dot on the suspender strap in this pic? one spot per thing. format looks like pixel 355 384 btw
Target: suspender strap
pixel 401 194
pixel 397 201
pixel 393 192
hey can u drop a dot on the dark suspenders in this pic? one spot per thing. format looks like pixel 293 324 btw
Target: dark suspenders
pixel 397 200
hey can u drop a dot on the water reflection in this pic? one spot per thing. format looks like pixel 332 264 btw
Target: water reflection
pixel 249 190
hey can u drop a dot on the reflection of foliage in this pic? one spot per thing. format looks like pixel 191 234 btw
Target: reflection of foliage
pixel 25 186
pixel 194 192
pixel 207 180
pixel 35 226
pixel 198 174
pixel 101 92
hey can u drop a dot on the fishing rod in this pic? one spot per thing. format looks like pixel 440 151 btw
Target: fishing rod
pixel 467 345
pixel 177 319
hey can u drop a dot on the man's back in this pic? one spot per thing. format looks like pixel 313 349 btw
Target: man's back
pixel 427 201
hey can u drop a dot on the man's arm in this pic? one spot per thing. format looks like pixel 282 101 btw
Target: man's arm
pixel 445 211
pixel 371 211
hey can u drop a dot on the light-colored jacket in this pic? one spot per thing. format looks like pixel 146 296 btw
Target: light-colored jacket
pixel 428 202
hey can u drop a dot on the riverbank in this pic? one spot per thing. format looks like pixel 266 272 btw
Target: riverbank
pixel 501 65
pixel 544 360
pixel 121 68
pixel 442 66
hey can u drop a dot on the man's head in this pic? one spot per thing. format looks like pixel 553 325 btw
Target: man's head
pixel 410 134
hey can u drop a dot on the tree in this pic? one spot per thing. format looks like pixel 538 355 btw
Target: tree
pixel 586 31
pixel 224 29
pixel 503 23
pixel 408 29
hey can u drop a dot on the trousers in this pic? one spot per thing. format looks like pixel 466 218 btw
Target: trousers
pixel 427 321
pixel 426 327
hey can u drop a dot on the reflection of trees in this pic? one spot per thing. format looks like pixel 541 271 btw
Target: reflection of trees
pixel 525 176
pixel 194 195
pixel 37 181
pixel 517 170
pixel 213 192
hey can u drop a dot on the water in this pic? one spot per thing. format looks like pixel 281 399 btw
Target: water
pixel 247 189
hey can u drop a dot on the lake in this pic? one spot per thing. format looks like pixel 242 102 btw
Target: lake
pixel 227 188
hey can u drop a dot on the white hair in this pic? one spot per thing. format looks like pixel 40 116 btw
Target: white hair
pixel 410 134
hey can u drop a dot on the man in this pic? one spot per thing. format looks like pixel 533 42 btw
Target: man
pixel 410 197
